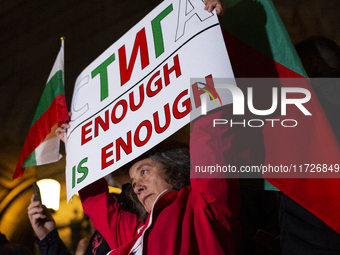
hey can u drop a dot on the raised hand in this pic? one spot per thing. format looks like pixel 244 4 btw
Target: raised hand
pixel 41 219
pixel 210 5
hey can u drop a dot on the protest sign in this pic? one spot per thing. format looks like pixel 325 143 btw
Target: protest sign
pixel 137 93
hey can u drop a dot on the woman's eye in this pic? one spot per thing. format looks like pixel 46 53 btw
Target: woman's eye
pixel 143 172
pixel 133 185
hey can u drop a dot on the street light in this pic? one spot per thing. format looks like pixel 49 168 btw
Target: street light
pixel 50 193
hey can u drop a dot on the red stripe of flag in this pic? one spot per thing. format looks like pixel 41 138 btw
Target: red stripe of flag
pixel 55 113
pixel 314 140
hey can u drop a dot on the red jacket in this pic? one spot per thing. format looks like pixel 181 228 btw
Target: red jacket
pixel 198 219
pixel 194 220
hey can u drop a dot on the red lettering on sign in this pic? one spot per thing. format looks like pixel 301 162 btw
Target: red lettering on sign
pixel 133 106
pixel 114 119
pixel 186 104
pixel 98 121
pixel 105 155
pixel 167 71
pixel 127 147
pixel 148 126
pixel 141 44
pixel 158 84
pixel 167 120
pixel 84 132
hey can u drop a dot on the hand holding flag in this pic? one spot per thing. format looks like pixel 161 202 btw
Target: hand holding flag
pixel 61 131
pixel 42 145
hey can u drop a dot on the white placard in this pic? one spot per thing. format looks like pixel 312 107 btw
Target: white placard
pixel 137 93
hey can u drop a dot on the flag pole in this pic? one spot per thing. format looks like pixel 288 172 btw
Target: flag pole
pixel 62 49
pixel 62 41
pixel 39 139
pixel 62 56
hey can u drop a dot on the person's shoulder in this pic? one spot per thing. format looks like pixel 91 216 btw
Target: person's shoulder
pixel 14 249
pixel 98 243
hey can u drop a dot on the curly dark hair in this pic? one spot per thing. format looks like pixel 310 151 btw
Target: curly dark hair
pixel 174 156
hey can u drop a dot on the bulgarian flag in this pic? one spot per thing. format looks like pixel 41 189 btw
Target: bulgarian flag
pixel 42 145
pixel 259 47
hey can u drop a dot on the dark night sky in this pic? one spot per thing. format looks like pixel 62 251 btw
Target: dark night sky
pixel 30 41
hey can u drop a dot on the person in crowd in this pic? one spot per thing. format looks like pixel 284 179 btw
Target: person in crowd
pixel 48 240
pixel 7 248
pixel 179 214
pixel 301 231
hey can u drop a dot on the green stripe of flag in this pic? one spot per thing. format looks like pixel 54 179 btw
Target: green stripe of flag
pixel 53 88
pixel 30 160
pixel 257 23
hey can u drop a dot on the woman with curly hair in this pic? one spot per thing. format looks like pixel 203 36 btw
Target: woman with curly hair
pixel 178 214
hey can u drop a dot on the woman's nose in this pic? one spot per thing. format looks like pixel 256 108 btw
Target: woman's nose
pixel 139 188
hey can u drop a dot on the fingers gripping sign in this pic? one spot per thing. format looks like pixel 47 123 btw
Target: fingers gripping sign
pixel 210 5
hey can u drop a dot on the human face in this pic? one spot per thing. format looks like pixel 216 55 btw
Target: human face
pixel 147 179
